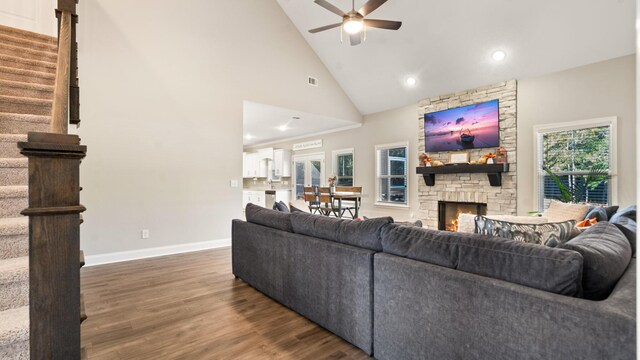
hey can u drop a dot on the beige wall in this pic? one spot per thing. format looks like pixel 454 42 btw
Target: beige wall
pixel 397 125
pixel 162 88
pixel 592 91
pixel 587 92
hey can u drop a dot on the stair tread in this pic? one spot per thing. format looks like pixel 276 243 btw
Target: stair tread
pixel 13 137
pixel 42 119
pixel 26 85
pixel 14 162
pixel 14 325
pixel 26 100
pixel 34 36
pixel 34 73
pixel 14 191
pixel 39 54
pixel 28 61
pixel 28 43
pixel 14 269
pixel 14 226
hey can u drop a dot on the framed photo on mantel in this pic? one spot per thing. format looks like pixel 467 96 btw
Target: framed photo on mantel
pixel 459 157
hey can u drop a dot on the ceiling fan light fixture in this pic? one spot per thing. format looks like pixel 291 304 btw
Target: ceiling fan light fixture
pixel 353 25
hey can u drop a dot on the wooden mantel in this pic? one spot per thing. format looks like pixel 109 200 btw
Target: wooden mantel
pixel 493 171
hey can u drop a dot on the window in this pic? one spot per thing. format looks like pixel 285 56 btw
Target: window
pixel 580 155
pixel 391 174
pixel 343 167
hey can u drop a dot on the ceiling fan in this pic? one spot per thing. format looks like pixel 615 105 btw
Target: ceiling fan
pixel 354 22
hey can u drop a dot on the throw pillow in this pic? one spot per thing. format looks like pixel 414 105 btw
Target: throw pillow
pixel 417 223
pixel 549 234
pixel 280 206
pixel 559 211
pixel 625 220
pixel 606 253
pixel 599 213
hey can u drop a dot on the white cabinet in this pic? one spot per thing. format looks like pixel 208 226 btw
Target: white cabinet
pixel 251 165
pixel 253 196
pixel 281 163
pixel 258 164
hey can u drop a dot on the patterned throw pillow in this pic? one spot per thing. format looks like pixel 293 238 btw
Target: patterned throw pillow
pixel 549 234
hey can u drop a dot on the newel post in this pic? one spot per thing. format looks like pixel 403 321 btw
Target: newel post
pixel 54 244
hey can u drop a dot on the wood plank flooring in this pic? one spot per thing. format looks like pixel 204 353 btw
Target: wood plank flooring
pixel 189 306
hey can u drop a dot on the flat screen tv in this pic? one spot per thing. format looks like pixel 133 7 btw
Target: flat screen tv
pixel 467 127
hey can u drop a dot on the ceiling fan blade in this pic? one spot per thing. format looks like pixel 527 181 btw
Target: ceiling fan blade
pixel 370 6
pixel 355 39
pixel 383 24
pixel 325 4
pixel 323 28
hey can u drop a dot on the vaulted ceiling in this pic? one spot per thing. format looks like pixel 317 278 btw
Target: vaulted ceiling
pixel 447 45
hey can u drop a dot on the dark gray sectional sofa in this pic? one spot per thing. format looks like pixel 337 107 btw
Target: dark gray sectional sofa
pixel 398 292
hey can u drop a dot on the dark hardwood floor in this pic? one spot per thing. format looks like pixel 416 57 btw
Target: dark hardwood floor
pixel 189 306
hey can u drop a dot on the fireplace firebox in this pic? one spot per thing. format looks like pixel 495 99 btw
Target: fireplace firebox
pixel 448 212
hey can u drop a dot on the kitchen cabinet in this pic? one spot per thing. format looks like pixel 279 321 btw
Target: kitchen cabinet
pixel 251 166
pixel 253 196
pixel 281 163
pixel 267 163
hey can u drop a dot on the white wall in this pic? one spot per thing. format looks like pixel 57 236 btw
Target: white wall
pixel 31 15
pixel 598 90
pixel 396 125
pixel 162 86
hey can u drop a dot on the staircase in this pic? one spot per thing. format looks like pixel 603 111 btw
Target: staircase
pixel 27 77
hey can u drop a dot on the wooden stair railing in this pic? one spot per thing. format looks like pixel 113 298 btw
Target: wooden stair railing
pixel 56 307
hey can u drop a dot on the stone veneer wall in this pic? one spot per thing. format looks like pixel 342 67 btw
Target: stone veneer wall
pixel 472 187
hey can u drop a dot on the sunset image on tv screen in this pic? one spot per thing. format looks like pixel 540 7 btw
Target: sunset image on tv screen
pixel 467 127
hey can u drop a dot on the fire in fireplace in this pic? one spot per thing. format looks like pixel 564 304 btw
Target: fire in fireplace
pixel 448 212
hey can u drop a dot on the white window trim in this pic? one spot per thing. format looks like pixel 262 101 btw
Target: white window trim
pixel 611 121
pixel 379 147
pixel 334 160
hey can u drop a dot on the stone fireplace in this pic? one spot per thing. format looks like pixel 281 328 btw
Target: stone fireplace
pixel 471 187
pixel 448 212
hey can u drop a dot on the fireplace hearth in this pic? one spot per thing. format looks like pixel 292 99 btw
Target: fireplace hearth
pixel 448 212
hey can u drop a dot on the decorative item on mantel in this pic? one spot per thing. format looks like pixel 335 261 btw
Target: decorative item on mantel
pixel 501 155
pixel 424 159
pixel 486 159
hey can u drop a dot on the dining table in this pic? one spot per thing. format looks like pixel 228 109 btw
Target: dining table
pixel 356 197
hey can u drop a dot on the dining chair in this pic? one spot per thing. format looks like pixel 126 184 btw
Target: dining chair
pixel 327 203
pixel 311 197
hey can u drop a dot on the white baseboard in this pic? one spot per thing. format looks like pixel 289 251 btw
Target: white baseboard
pixel 92 260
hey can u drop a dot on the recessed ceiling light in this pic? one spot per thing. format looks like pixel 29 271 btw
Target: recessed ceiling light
pixel 248 136
pixel 282 127
pixel 411 81
pixel 499 55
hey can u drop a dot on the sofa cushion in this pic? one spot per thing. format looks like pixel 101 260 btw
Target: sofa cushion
pixel 606 252
pixel 559 211
pixel 267 217
pixel 364 234
pixel 554 270
pixel 549 234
